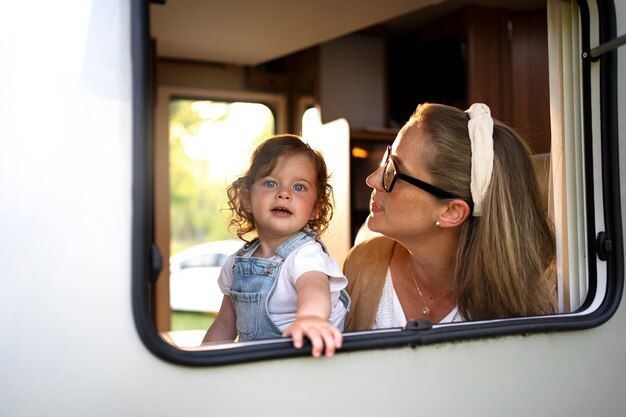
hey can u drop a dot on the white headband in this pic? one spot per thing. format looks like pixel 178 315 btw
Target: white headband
pixel 480 127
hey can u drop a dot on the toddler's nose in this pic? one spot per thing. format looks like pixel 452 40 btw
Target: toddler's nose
pixel 284 193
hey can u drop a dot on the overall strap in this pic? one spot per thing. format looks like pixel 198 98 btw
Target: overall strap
pixel 303 236
pixel 248 247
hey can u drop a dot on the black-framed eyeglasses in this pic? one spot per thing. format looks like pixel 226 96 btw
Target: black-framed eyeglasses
pixel 391 175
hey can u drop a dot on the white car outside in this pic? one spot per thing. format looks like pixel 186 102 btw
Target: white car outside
pixel 193 276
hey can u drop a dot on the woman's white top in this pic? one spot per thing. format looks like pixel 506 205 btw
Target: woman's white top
pixel 391 314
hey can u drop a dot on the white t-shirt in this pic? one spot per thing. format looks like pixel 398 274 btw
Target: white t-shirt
pixel 390 312
pixel 282 302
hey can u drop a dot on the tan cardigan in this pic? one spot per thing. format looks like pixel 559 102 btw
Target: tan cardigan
pixel 365 267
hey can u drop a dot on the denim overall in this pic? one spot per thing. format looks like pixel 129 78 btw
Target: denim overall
pixel 254 280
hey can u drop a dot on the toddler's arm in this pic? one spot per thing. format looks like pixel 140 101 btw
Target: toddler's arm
pixel 224 328
pixel 314 309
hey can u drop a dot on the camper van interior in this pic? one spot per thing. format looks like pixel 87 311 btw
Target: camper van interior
pixel 123 121
pixel 225 75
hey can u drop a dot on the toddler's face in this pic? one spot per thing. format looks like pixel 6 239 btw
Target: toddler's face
pixel 284 201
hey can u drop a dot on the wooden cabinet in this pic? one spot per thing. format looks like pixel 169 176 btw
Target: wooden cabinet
pixel 477 54
pixel 530 96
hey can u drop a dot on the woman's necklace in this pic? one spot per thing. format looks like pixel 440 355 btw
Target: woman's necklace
pixel 425 309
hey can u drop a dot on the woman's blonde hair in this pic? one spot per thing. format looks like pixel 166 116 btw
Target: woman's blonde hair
pixel 505 258
pixel 262 162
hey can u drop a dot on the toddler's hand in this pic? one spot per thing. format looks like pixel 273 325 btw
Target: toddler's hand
pixel 319 331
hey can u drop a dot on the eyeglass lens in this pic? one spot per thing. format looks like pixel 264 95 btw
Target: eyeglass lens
pixel 389 171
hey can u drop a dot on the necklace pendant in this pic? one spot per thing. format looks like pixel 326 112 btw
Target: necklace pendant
pixel 426 310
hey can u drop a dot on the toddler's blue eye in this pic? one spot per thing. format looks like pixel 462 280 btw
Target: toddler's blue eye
pixel 271 184
pixel 298 187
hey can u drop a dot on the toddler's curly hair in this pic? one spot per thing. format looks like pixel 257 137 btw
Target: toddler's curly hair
pixel 263 161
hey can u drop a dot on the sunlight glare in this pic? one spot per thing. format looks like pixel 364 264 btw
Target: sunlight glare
pixel 227 136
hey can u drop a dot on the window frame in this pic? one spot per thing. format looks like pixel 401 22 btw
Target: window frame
pixel 605 245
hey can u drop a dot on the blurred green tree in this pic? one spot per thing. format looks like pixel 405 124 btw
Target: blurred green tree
pixel 205 136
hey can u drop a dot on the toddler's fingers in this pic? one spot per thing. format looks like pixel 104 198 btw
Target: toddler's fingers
pixel 317 343
pixel 333 340
pixel 338 336
pixel 330 341
pixel 296 337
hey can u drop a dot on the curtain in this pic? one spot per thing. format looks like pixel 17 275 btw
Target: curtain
pixel 567 205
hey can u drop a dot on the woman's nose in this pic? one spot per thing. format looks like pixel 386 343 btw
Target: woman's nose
pixel 374 180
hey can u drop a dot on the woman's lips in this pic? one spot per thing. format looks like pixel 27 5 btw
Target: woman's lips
pixel 375 207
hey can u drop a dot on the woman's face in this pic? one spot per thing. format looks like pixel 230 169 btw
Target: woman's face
pixel 407 212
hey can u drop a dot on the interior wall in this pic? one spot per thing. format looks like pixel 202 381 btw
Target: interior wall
pixel 200 75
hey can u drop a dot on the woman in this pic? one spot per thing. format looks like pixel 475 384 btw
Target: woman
pixel 465 233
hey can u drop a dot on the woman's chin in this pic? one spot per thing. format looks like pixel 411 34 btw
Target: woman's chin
pixel 372 223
